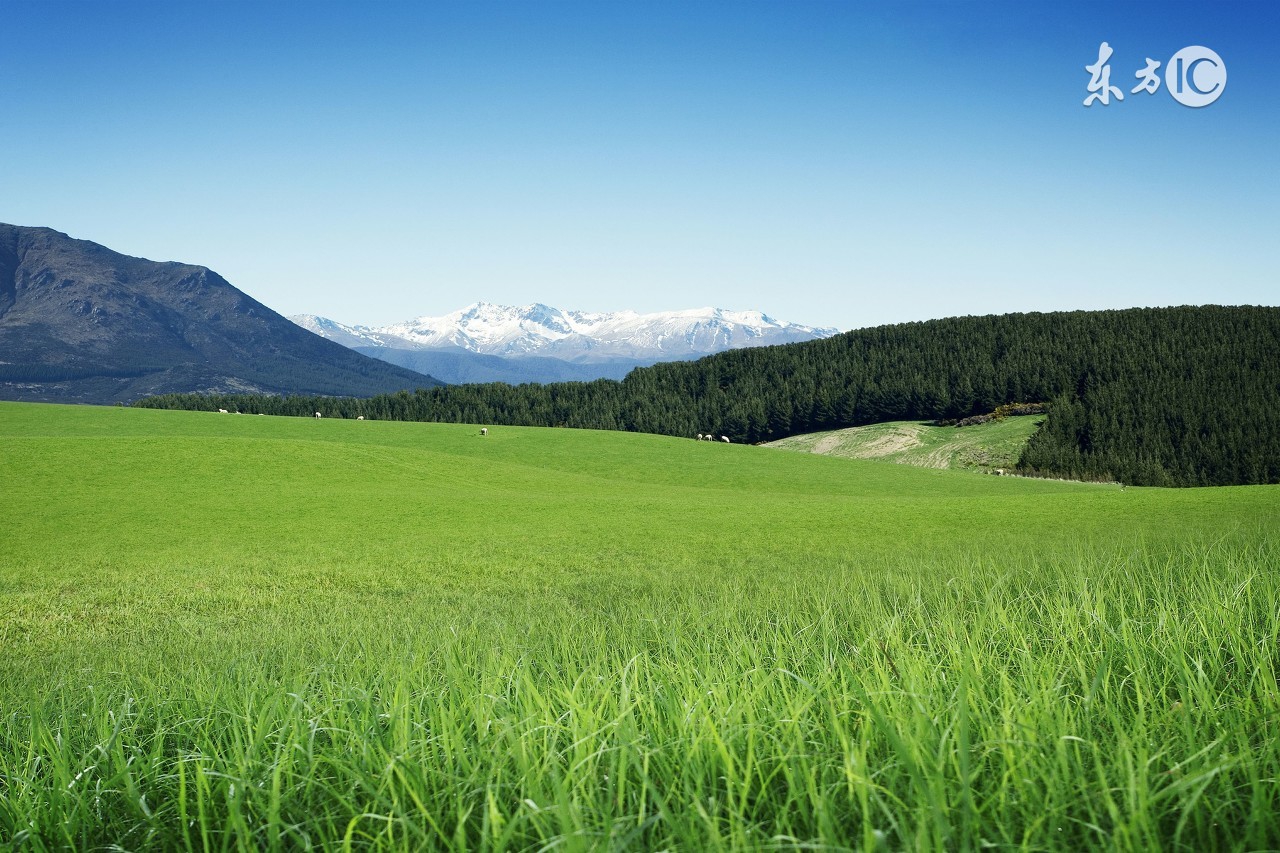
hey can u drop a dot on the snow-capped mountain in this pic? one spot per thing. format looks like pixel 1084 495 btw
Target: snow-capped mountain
pixel 349 336
pixel 551 343
pixel 574 335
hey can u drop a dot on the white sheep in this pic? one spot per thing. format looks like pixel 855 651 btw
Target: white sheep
pixel 317 414
pixel 222 411
pixel 699 436
pixel 725 439
pixel 359 417
pixel 484 430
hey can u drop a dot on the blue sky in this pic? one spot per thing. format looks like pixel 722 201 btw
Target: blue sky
pixel 842 164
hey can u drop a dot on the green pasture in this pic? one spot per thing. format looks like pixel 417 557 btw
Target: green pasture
pixel 981 447
pixel 233 632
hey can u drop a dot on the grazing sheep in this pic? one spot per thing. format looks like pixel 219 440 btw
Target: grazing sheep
pixel 725 439
pixel 484 430
pixel 699 436
pixel 359 417
pixel 222 411
pixel 317 414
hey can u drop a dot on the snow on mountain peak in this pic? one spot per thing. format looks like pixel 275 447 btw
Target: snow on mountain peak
pixel 543 330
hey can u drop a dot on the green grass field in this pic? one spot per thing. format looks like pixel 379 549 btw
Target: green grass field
pixel 982 447
pixel 250 633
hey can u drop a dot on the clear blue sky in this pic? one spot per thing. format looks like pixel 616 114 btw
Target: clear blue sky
pixel 833 163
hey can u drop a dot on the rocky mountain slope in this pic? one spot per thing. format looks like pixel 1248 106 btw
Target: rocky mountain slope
pixel 81 323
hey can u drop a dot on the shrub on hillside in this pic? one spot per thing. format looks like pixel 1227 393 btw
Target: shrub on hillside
pixel 1008 410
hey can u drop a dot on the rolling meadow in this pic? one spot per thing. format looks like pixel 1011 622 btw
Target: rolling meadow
pixel 226 632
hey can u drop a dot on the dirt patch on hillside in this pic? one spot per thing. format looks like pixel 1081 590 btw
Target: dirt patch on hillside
pixel 827 444
pixel 895 441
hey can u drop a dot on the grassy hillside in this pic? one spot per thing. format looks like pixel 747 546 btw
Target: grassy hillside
pixel 242 632
pixel 982 447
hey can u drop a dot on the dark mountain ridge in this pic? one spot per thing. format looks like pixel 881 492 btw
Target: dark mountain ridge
pixel 82 323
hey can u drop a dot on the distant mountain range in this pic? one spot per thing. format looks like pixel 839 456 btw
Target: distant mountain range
pixel 81 323
pixel 537 343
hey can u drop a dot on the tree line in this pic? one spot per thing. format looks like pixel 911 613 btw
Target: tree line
pixel 1150 396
